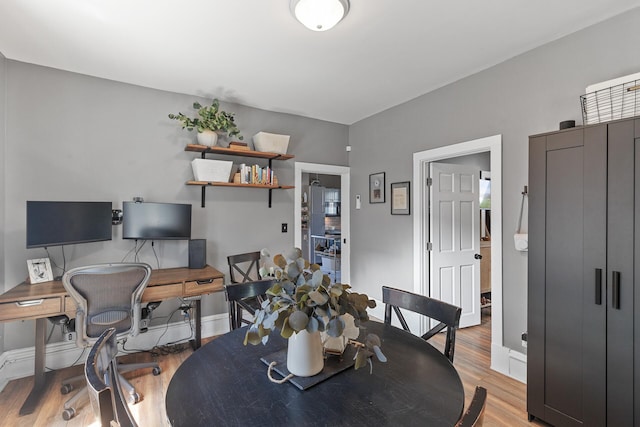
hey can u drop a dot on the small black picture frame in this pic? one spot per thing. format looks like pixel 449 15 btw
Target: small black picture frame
pixel 401 198
pixel 376 188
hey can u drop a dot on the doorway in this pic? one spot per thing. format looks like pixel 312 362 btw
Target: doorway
pixel 335 253
pixel 421 162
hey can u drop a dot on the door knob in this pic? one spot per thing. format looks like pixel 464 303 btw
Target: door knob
pixel 477 256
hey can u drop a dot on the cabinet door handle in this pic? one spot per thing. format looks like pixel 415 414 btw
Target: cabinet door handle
pixel 615 290
pixel 204 282
pixel 598 286
pixel 29 303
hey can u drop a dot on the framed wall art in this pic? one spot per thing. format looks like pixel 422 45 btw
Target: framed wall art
pixel 39 270
pixel 400 198
pixel 376 188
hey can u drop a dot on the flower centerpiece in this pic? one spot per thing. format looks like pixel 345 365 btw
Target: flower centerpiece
pixel 303 301
pixel 210 121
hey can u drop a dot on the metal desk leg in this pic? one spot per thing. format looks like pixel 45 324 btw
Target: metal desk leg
pixel 198 315
pixel 39 376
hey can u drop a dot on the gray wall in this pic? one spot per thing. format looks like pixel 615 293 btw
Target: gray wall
pixel 74 137
pixel 525 95
pixel 3 98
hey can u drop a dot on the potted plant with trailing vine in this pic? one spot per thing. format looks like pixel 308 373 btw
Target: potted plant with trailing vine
pixel 304 302
pixel 209 122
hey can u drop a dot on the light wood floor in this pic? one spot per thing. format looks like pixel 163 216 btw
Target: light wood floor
pixel 506 403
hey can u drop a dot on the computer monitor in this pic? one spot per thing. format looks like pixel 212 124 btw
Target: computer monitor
pixel 52 223
pixel 156 221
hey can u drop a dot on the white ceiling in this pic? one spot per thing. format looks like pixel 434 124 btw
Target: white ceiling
pixel 253 52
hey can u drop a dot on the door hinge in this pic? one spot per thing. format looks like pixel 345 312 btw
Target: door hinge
pixel 429 246
pixel 429 182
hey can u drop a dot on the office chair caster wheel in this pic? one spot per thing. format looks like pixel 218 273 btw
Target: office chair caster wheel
pixel 156 371
pixel 66 388
pixel 134 398
pixel 69 413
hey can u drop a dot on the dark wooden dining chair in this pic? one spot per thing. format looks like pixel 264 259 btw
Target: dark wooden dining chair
pixel 244 267
pixel 103 383
pixel 239 296
pixel 474 414
pixel 448 315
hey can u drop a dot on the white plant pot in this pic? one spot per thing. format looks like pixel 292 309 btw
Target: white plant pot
pixel 304 354
pixel 208 138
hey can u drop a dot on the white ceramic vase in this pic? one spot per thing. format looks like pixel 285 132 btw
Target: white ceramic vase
pixel 208 138
pixel 304 354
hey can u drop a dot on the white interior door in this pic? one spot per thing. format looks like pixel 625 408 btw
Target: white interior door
pixel 455 239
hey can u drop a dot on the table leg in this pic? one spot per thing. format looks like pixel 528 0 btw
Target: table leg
pixel 39 375
pixel 198 315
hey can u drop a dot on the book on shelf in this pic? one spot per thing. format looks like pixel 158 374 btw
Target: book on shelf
pixel 254 174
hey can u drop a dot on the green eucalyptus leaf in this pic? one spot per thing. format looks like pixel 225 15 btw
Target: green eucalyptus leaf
pixel 298 320
pixel 286 331
pixel 293 270
pixel 316 278
pixel 318 297
pixel 264 271
pixel 313 325
pixel 252 337
pixel 336 326
pixel 294 254
pixel 280 261
pixel 361 358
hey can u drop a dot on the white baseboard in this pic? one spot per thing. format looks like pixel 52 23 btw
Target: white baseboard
pixel 509 362
pixel 19 363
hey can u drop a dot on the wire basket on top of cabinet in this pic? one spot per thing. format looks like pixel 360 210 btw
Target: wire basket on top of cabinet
pixel 612 103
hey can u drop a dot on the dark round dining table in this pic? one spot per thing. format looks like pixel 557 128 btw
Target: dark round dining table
pixel 225 383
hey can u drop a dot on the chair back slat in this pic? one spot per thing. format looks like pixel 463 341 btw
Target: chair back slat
pixel 238 295
pixel 244 267
pixel 447 314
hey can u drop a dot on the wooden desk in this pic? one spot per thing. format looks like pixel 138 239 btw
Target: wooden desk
pixel 48 299
pixel 225 383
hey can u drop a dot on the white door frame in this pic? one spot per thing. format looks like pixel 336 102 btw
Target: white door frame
pixel 421 159
pixel 344 172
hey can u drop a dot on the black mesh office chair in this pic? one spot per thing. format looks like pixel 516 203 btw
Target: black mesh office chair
pixel 243 268
pixel 103 383
pixel 106 296
pixel 448 315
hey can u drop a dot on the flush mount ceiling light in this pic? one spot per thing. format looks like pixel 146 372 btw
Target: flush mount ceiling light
pixel 319 15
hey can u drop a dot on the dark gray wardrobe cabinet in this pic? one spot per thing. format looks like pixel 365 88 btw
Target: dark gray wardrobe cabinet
pixel 583 334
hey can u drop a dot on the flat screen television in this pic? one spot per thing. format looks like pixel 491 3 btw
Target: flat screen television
pixel 67 223
pixel 156 221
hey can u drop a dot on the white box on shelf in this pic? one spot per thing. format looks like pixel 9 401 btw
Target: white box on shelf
pixel 271 142
pixel 211 170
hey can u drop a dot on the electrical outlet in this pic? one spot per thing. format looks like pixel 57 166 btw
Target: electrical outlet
pixel 70 336
pixel 284 227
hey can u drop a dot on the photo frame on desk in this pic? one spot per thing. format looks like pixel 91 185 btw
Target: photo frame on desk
pixel 376 188
pixel 39 270
pixel 400 198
